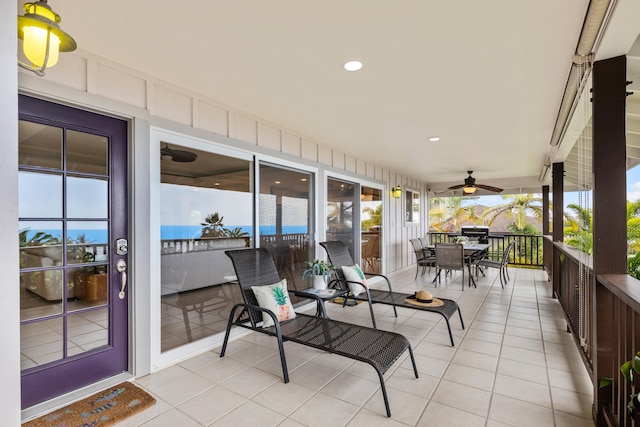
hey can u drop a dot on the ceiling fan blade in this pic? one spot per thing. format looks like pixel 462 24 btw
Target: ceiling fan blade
pixel 455 187
pixel 489 188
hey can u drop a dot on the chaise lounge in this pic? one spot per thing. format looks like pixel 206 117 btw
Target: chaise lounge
pixel 340 257
pixel 257 273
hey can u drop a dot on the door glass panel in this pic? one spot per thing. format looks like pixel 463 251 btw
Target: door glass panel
pixel 88 286
pixel 39 195
pixel 86 153
pixel 87 241
pixel 40 294
pixel 51 286
pixel 371 226
pixel 41 342
pixel 79 205
pixel 87 330
pixel 285 220
pixel 340 202
pixel 40 243
pixel 40 145
pixel 206 208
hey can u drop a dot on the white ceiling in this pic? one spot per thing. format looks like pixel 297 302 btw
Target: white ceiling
pixel 487 77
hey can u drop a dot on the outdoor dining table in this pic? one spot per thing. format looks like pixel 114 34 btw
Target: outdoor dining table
pixel 473 251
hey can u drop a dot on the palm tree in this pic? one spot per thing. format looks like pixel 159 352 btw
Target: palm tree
pixel 213 226
pixel 375 217
pixel 448 214
pixel 519 208
pixel 577 229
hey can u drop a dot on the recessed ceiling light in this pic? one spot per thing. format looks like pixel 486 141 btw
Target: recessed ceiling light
pixel 277 182
pixel 434 139
pixel 352 65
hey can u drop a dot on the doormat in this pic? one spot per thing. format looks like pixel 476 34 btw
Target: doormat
pixel 100 410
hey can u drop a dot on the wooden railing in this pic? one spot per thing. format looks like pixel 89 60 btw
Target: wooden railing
pixel 528 248
pixel 603 316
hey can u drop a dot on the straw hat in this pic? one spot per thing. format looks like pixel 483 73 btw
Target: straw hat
pixel 424 299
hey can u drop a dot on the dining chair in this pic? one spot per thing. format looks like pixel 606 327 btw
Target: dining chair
pixel 449 257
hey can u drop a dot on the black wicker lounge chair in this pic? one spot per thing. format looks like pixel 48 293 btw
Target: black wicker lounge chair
pixel 340 257
pixel 380 349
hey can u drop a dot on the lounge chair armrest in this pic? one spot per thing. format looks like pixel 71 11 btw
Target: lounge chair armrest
pixel 249 307
pixel 380 275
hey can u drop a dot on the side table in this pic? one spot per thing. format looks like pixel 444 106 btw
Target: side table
pixel 320 296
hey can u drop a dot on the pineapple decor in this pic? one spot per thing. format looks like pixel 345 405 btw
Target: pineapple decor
pixel 274 298
pixel 281 298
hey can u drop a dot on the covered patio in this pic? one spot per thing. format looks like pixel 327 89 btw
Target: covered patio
pixel 515 364
pixel 499 94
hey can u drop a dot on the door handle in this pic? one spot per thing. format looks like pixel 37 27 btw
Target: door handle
pixel 121 266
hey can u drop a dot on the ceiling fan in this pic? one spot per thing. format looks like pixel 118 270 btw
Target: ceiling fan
pixel 470 186
pixel 183 156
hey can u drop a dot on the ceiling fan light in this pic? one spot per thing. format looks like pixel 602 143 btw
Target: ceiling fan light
pixel 469 190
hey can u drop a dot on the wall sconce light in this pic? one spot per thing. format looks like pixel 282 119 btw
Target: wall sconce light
pixel 42 37
pixel 396 192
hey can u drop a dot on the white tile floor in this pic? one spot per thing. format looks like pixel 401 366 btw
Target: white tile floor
pixel 514 365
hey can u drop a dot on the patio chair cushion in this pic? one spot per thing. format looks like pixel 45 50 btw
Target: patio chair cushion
pixel 354 275
pixel 276 299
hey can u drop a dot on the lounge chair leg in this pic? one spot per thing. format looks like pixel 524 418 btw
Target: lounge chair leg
pixel 413 362
pixel 283 360
pixel 373 317
pixel 226 335
pixel 384 394
pixel 449 328
pixel 461 321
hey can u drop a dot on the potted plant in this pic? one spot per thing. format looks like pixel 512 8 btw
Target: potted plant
pixel 319 270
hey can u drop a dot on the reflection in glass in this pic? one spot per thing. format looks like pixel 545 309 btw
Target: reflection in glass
pixel 86 153
pixel 87 197
pixel 88 286
pixel 340 202
pixel 285 199
pixel 412 207
pixel 39 195
pixel 371 226
pixel 39 145
pixel 200 219
pixel 40 293
pixel 41 342
pixel 40 243
pixel 87 241
pixel 87 330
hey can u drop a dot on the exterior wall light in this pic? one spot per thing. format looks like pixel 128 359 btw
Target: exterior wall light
pixel 396 192
pixel 42 38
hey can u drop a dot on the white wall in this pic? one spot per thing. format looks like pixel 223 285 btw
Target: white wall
pixel 9 298
pixel 88 81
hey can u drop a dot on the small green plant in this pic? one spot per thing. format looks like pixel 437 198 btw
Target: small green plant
pixel 317 267
pixel 629 369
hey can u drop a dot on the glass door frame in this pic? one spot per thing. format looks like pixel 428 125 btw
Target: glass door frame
pixel 359 182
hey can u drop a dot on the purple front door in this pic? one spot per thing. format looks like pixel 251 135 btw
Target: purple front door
pixel 73 243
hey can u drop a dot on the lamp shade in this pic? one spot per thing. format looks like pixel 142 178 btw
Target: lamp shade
pixel 469 190
pixel 42 38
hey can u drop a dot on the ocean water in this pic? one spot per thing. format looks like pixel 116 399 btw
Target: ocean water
pixel 171 232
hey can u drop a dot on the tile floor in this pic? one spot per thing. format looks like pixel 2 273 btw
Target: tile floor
pixel 514 365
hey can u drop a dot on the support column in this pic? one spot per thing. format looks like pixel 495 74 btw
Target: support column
pixel 609 211
pixel 545 210
pixel 558 221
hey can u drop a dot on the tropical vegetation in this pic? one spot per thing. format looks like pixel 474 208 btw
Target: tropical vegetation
pixel 213 227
